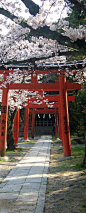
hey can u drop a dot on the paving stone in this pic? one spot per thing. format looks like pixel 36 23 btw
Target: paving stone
pixel 25 211
pixel 44 180
pixel 28 198
pixel 14 181
pixel 4 211
pixel 27 207
pixel 11 188
pixel 37 173
pixel 2 185
pixel 35 186
pixel 11 172
pixel 21 170
pixel 25 166
pixel 39 208
pixel 8 196
pixel 40 204
pixel 33 180
pixel 29 191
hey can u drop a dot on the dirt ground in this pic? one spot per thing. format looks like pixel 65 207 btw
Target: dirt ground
pixel 66 187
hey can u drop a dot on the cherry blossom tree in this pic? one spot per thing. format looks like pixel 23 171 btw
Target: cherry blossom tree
pixel 32 33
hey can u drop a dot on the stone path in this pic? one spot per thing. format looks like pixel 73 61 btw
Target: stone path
pixel 23 190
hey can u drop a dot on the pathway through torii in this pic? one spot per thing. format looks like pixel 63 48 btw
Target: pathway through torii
pixel 42 108
pixel 62 86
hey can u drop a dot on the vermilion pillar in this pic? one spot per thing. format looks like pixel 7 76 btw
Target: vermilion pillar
pixel 64 116
pixel 26 123
pixel 33 123
pixel 4 113
pixel 56 124
pixel 60 130
pixel 16 129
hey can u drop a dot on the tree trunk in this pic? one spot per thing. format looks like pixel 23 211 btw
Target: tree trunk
pixel 10 140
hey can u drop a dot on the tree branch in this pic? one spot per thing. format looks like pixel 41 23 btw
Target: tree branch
pixel 47 33
pixel 33 8
pixel 7 14
pixel 31 60
pixel 61 39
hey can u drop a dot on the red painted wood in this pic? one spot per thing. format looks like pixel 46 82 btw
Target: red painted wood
pixel 33 123
pixel 33 78
pixel 56 124
pixel 44 86
pixel 26 123
pixel 16 129
pixel 50 98
pixel 64 116
pixel 60 129
pixel 72 86
pixel 43 111
pixel 4 114
pixel 36 86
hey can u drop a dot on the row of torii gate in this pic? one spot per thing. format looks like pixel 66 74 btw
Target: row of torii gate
pixel 60 106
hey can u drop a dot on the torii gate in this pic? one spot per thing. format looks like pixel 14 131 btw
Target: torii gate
pixel 62 86
pixel 43 111
pixel 34 108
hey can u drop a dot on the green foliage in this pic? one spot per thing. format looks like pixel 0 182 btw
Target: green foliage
pixel 76 113
pixel 76 18
pixel 77 151
pixel 77 56
pixel 75 163
pixel 79 166
pixel 2 160
pixel 84 205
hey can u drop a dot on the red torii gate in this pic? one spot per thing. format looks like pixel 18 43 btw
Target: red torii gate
pixel 42 109
pixel 38 108
pixel 62 86
pixel 33 109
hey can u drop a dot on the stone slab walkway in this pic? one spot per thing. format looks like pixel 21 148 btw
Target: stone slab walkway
pixel 23 190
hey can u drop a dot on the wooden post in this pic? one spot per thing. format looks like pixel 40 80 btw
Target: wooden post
pixel 26 123
pixel 33 123
pixel 56 125
pixel 64 116
pixel 4 113
pixel 60 130
pixel 16 128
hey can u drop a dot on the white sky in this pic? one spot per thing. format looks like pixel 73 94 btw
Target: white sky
pixel 39 2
